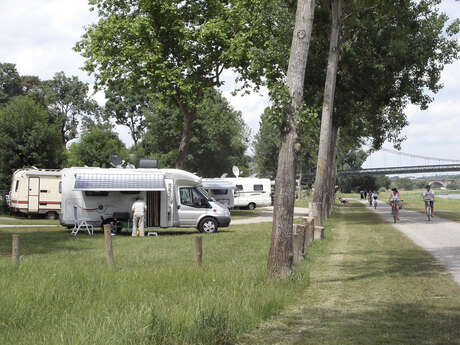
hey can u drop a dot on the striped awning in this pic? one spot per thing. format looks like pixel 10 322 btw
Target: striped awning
pixel 218 184
pixel 119 182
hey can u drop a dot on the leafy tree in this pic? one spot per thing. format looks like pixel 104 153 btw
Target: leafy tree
pixel 10 82
pixel 383 181
pixel 404 183
pixel 97 142
pixel 172 49
pixel 219 136
pixel 68 102
pixel 27 138
pixel 127 107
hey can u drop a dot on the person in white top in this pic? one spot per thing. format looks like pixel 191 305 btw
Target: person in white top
pixel 428 197
pixel 394 199
pixel 138 210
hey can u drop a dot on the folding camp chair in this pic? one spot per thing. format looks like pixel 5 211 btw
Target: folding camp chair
pixel 79 223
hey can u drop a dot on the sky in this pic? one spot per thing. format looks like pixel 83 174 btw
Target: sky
pixel 38 36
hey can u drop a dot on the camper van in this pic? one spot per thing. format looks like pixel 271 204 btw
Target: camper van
pixel 221 190
pixel 174 198
pixel 36 191
pixel 251 192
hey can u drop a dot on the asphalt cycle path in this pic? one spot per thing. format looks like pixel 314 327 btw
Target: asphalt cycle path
pixel 440 237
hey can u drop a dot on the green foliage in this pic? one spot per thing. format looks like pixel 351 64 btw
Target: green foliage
pixel 267 142
pixel 219 136
pixel 404 183
pixel 68 102
pixel 383 181
pixel 421 183
pixel 27 138
pixel 95 146
pixel 348 184
pixel 453 186
pixel 10 82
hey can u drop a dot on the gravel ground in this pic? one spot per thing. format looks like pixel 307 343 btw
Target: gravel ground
pixel 267 216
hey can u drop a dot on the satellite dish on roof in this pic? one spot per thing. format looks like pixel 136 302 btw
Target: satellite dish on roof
pixel 115 160
pixel 236 171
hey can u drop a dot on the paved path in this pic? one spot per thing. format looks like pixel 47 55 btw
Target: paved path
pixel 267 216
pixel 440 237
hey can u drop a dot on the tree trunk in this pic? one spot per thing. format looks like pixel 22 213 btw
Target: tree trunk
pixel 321 180
pixel 280 256
pixel 189 116
pixel 332 170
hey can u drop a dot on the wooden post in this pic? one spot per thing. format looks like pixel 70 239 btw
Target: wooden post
pixel 15 249
pixel 298 240
pixel 108 245
pixel 198 250
pixel 309 222
pixel 319 233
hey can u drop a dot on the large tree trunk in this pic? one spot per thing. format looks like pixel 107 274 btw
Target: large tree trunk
pixel 321 181
pixel 189 116
pixel 280 255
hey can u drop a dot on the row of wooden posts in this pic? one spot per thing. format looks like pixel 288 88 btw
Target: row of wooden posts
pixel 303 235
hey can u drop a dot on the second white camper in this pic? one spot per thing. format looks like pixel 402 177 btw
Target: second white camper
pixel 251 192
pixel 174 198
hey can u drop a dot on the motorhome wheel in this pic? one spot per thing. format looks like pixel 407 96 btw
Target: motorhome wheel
pixel 252 206
pixel 208 225
pixel 51 215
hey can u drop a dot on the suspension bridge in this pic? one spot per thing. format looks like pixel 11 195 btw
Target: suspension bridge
pixel 398 162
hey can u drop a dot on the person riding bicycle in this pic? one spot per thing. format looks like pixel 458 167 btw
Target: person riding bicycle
pixel 428 197
pixel 375 196
pixel 395 200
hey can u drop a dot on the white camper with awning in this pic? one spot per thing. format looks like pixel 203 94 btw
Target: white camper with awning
pixel 174 198
pixel 221 190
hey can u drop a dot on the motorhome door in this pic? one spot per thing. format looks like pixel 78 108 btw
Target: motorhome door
pixel 34 192
pixel 191 206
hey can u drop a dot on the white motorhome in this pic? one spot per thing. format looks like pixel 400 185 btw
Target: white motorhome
pixel 174 198
pixel 36 191
pixel 221 190
pixel 251 192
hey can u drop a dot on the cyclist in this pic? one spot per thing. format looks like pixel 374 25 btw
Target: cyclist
pixel 395 199
pixel 428 196
pixel 375 196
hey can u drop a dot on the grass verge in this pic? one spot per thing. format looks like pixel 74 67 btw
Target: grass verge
pixel 63 293
pixel 372 286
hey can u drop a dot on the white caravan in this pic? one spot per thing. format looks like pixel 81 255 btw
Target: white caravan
pixel 251 192
pixel 174 198
pixel 36 191
pixel 221 190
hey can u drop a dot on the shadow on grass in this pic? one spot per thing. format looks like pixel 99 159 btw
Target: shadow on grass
pixel 387 324
pixel 160 232
pixel 415 263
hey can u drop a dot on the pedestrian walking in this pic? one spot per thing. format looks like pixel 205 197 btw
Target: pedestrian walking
pixel 138 210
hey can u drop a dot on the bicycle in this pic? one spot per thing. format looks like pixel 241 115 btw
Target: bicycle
pixel 374 202
pixel 429 209
pixel 394 210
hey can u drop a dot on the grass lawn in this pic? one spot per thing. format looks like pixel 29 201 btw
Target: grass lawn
pixel 371 286
pixel 63 293
pixel 303 202
pixel 18 220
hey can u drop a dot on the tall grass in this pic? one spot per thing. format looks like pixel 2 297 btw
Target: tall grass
pixel 63 293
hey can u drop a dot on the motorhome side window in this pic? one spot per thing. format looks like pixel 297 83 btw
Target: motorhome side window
pixel 258 187
pixel 17 186
pixel 189 196
pixel 239 187
pixel 60 187
pixel 96 193
pixel 219 191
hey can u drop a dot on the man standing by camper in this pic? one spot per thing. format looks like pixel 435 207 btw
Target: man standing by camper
pixel 138 211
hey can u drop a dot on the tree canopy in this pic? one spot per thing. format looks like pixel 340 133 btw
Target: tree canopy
pixel 219 136
pixel 28 138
